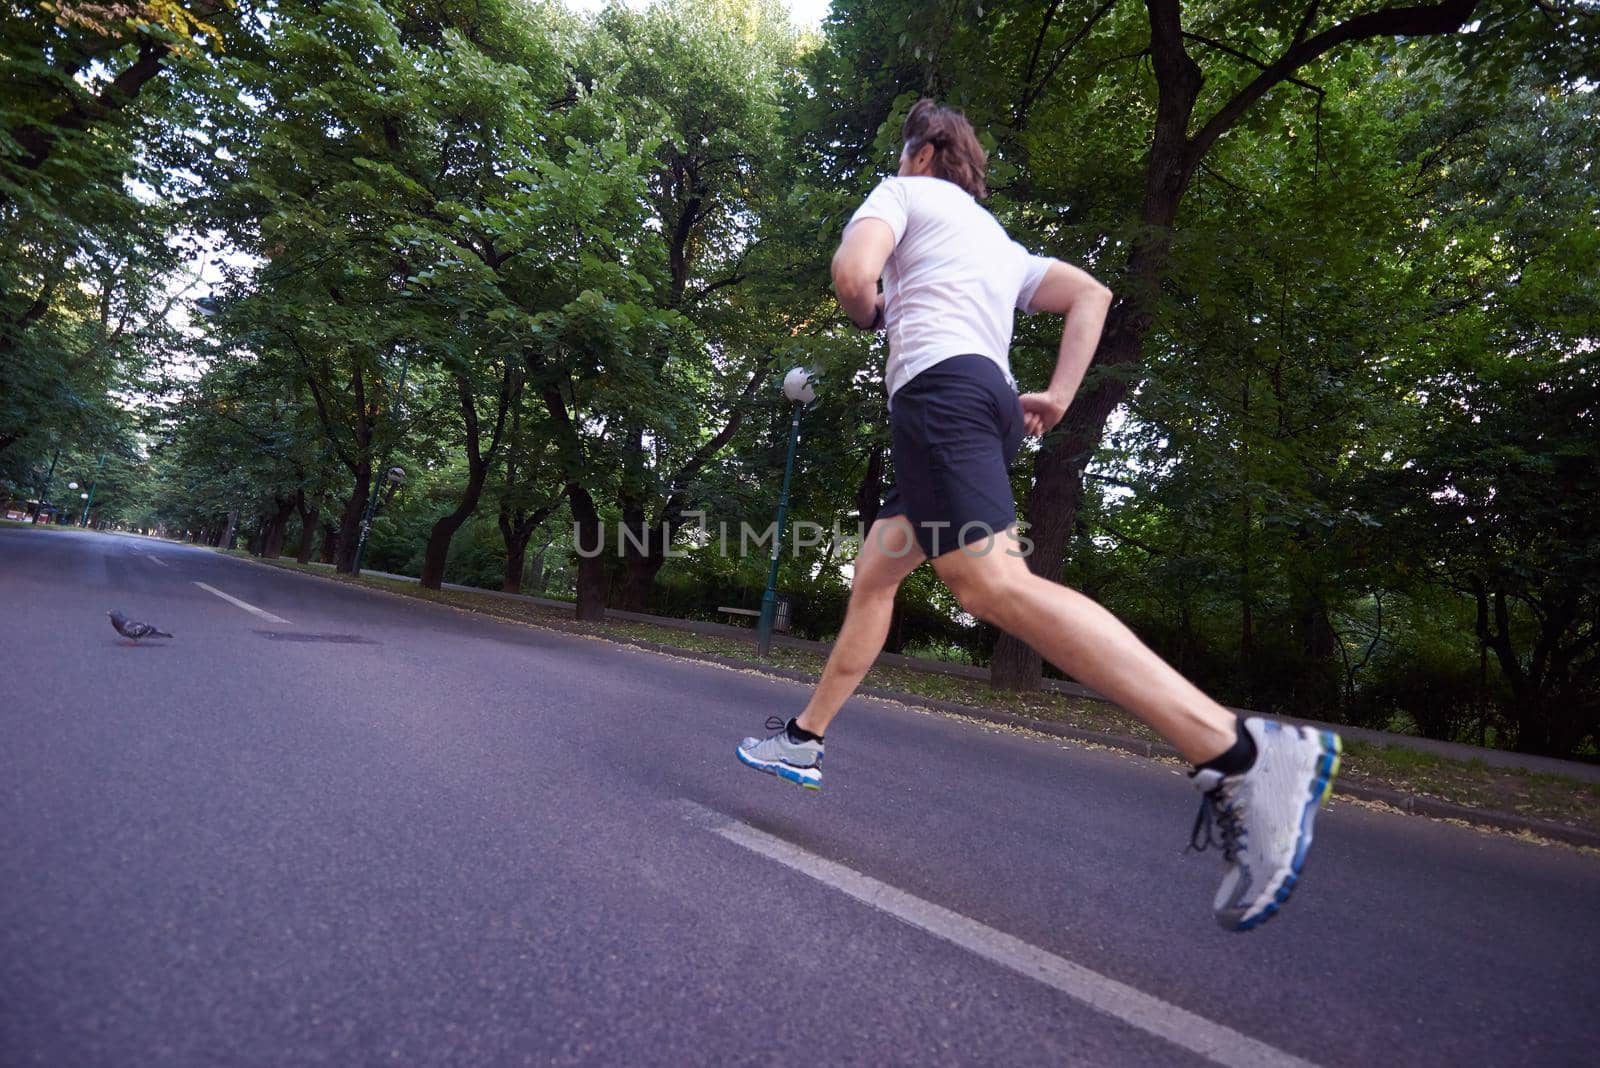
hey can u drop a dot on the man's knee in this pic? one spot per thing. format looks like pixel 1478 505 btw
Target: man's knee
pixel 871 588
pixel 986 594
pixel 878 579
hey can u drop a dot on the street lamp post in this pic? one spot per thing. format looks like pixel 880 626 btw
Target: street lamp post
pixel 797 386
pixel 44 493
pixel 88 498
pixel 392 478
pixel 395 478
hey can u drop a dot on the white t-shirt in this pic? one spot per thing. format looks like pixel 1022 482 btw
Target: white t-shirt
pixel 954 279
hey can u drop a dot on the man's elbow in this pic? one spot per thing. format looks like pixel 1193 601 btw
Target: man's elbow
pixel 1066 289
pixel 1089 296
pixel 849 280
pixel 847 274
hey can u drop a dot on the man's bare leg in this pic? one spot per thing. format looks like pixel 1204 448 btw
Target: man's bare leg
pixel 888 554
pixel 1263 781
pixel 992 581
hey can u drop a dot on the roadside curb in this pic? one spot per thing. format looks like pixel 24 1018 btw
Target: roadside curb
pixel 1403 801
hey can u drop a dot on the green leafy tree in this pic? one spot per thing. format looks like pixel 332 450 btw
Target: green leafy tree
pixel 83 258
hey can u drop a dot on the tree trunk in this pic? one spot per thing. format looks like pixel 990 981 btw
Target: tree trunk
pixel 516 540
pixel 329 549
pixel 1247 590
pixel 1052 508
pixel 433 558
pixel 1315 635
pixel 517 530
pixel 478 461
pixel 644 546
pixel 641 581
pixel 516 556
pixel 869 496
pixel 589 537
pixel 1548 707
pixel 309 521
pixel 273 537
pixel 277 528
pixel 355 507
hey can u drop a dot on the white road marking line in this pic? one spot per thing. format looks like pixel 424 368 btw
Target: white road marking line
pixel 157 559
pixel 263 613
pixel 1150 1014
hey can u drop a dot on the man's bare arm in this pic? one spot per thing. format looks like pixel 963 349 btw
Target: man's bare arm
pixel 1075 293
pixel 857 266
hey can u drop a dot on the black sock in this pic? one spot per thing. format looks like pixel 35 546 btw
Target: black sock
pixel 1237 758
pixel 798 733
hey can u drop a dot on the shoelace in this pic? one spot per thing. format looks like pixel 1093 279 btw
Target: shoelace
pixel 1218 823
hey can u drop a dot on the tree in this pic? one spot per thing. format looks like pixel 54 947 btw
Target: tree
pixel 703 82
pixel 1491 495
pixel 82 259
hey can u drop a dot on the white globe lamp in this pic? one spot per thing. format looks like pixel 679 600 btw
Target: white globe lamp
pixel 797 386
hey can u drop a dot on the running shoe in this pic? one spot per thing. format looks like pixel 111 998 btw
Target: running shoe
pixel 778 754
pixel 1262 818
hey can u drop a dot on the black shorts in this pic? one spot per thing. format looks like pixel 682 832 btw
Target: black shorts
pixel 955 428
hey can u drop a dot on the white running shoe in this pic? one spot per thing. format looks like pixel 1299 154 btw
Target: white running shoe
pixel 791 761
pixel 1263 818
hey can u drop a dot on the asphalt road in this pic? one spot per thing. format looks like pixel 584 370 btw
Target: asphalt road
pixel 383 832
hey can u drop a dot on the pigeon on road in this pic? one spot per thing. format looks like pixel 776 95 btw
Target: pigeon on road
pixel 132 628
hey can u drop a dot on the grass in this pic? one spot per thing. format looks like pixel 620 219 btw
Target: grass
pixel 1470 783
pixel 1474 784
pixel 38 526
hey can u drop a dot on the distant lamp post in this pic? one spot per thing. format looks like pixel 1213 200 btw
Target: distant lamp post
pixel 88 498
pixel 55 519
pixel 44 490
pixel 799 387
pixel 391 482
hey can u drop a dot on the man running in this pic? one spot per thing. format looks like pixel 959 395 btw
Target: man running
pixel 951 280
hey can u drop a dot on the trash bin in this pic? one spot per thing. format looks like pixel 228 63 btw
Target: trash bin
pixel 783 613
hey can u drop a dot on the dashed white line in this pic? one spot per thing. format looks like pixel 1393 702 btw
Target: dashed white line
pixel 1214 1041
pixel 247 606
pixel 157 559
